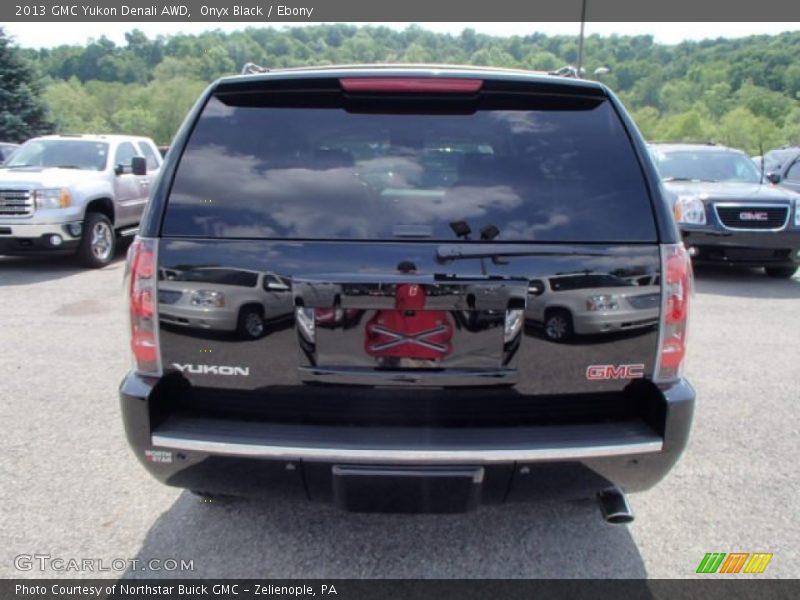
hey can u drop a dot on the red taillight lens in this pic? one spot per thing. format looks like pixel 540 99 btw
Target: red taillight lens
pixel 142 302
pixel 677 290
pixel 414 85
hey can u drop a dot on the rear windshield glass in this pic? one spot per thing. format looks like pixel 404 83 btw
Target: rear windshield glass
pixel 329 173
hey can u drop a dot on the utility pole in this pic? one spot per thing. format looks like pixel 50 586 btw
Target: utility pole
pixel 580 40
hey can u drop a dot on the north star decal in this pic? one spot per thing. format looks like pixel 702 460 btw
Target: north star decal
pixel 212 370
pixel 599 372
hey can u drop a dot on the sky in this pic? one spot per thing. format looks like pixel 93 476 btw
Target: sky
pixel 37 35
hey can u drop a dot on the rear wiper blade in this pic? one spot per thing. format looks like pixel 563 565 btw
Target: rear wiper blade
pixel 479 250
pixel 68 167
pixel 18 166
pixel 689 179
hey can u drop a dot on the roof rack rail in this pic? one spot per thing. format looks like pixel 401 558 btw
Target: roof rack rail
pixel 252 68
pixel 566 71
pixel 695 142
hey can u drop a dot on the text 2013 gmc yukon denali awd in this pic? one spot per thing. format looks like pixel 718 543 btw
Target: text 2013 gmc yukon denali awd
pixel 406 217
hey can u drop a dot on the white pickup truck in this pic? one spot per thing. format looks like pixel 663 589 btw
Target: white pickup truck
pixel 75 194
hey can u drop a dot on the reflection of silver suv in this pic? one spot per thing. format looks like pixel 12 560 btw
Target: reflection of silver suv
pixel 223 299
pixel 75 193
pixel 588 303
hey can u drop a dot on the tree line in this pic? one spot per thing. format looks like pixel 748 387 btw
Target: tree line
pixel 740 92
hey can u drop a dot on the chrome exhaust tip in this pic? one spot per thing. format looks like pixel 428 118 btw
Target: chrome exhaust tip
pixel 614 506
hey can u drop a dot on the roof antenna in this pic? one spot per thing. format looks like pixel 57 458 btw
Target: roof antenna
pixel 763 162
pixel 580 39
pixel 251 68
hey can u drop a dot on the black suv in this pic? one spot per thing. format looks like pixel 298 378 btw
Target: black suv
pixel 727 210
pixel 409 215
pixel 782 167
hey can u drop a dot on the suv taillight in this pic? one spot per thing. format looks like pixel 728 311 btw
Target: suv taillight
pixel 142 301
pixel 677 291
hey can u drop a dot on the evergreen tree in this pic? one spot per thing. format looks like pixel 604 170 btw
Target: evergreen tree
pixel 22 113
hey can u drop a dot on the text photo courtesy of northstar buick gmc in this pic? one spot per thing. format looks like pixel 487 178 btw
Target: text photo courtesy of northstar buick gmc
pixel 399 227
pixel 727 210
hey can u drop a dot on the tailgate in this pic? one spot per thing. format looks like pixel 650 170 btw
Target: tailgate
pixel 477 318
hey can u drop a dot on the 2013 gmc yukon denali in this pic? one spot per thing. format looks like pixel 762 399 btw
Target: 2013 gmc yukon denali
pixel 407 217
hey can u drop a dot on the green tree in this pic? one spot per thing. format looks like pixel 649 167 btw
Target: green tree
pixel 689 91
pixel 171 101
pixel 136 121
pixel 73 109
pixel 22 112
pixel 689 126
pixel 648 120
pixel 740 128
pixel 764 102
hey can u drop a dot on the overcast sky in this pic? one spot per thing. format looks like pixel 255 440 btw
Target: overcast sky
pixel 54 34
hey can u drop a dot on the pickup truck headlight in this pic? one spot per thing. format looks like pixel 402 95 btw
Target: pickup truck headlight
pixel 208 298
pixel 797 213
pixel 690 209
pixel 52 198
pixel 602 302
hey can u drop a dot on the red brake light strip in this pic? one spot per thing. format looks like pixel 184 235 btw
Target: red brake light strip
pixel 425 85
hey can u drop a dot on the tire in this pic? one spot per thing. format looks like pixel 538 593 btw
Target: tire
pixel 251 323
pixel 99 241
pixel 780 272
pixel 558 325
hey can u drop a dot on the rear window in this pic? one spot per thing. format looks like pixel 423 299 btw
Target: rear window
pixel 532 173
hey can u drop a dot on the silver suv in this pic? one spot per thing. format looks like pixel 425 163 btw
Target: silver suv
pixel 75 194
pixel 223 299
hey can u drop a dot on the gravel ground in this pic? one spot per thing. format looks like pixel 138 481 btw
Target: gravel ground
pixel 71 488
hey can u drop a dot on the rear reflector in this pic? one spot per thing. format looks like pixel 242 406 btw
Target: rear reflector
pixel 415 85
pixel 677 290
pixel 142 304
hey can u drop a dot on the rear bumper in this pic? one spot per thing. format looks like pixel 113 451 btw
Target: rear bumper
pixel 198 318
pixel 747 248
pixel 342 464
pixel 594 323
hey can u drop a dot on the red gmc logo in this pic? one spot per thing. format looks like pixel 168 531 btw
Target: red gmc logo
pixel 753 216
pixel 599 372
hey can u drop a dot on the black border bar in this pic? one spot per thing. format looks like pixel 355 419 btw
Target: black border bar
pixel 712 588
pixel 309 11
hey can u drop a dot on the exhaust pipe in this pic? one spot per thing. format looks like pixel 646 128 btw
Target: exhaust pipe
pixel 614 506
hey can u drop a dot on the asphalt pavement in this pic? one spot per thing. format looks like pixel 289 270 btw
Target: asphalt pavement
pixel 71 488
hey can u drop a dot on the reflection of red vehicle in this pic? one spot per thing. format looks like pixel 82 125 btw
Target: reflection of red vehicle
pixel 333 317
pixel 409 331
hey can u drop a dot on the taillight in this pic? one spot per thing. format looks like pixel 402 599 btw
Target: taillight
pixel 416 85
pixel 142 299
pixel 677 293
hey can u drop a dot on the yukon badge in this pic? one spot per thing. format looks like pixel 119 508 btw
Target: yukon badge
pixel 599 372
pixel 213 370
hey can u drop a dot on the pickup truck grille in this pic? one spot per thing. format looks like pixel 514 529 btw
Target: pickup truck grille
pixel 645 301
pixel 16 203
pixel 169 296
pixel 759 217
